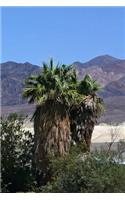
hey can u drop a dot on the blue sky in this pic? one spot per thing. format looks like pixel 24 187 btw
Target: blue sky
pixel 68 34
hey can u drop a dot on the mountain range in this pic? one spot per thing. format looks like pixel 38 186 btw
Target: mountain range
pixel 107 70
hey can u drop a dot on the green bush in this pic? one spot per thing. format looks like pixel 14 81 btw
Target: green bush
pixel 17 153
pixel 76 172
pixel 92 174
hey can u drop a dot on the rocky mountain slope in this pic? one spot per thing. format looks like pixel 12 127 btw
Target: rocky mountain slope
pixel 107 70
pixel 12 77
pixel 103 68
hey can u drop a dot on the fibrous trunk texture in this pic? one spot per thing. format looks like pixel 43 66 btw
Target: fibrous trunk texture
pixel 52 132
pixel 83 119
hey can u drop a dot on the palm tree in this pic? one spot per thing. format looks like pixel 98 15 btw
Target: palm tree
pixel 84 116
pixel 54 91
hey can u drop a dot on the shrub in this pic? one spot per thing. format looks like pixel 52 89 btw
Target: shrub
pixel 76 172
pixel 17 153
pixel 94 173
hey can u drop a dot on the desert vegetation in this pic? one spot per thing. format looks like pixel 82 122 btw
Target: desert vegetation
pixel 98 171
pixel 66 111
pixel 57 158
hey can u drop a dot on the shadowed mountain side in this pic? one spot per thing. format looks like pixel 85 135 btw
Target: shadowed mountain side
pixel 24 109
pixel 107 70
pixel 12 77
pixel 103 68
pixel 115 88
pixel 114 110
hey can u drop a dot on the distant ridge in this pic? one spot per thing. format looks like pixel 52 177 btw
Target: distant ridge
pixel 100 61
pixel 107 70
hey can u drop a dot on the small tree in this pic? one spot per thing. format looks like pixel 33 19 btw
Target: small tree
pixel 17 152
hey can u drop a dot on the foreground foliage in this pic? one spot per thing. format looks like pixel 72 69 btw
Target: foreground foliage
pixel 96 173
pixel 17 152
pixel 76 172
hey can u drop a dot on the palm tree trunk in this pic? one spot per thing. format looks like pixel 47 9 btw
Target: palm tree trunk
pixel 52 132
pixel 83 119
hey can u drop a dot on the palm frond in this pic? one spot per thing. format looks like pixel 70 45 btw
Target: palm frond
pixel 51 63
pixel 88 85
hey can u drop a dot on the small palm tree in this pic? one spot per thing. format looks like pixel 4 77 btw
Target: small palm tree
pixel 88 86
pixel 84 116
pixel 53 91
